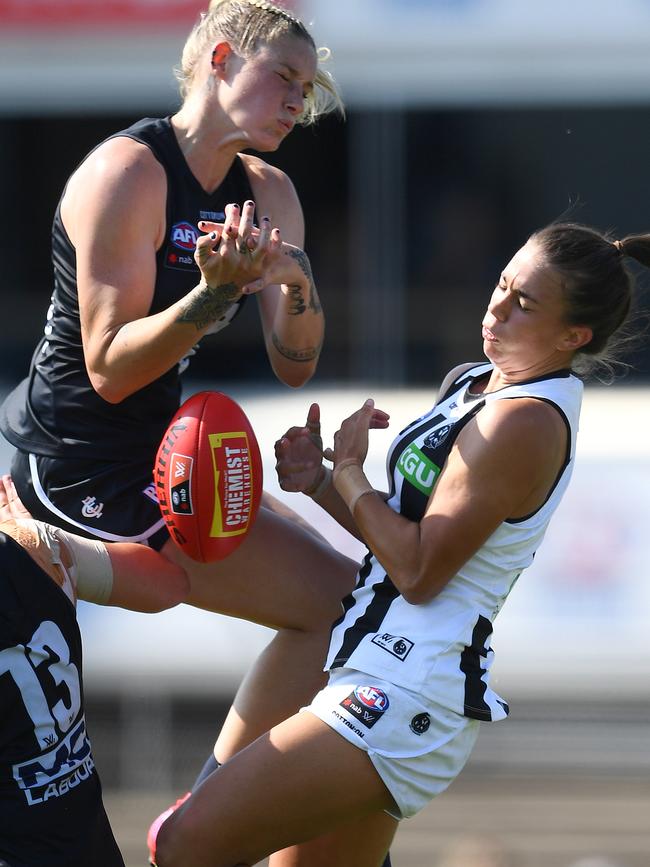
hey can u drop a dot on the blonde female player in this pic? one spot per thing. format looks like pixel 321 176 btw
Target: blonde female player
pixel 129 304
pixel 473 485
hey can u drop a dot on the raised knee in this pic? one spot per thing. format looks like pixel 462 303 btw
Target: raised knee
pixel 182 842
pixel 171 848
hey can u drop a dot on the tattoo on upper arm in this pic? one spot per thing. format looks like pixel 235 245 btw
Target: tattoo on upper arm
pixel 209 305
pixel 308 354
pixel 305 266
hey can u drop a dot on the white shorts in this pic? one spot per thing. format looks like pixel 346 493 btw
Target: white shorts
pixel 417 747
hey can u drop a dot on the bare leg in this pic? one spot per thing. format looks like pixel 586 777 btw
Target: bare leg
pixel 274 505
pixel 334 848
pixel 284 678
pixel 285 577
pixel 296 783
pixel 282 576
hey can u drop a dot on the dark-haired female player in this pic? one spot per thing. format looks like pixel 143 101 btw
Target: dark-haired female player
pixel 473 485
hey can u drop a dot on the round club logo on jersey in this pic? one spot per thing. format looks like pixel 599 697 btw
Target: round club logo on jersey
pixel 437 437
pixel 420 723
pixel 184 236
pixel 367 704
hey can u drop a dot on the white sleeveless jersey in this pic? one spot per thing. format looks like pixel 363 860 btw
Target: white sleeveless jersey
pixel 441 648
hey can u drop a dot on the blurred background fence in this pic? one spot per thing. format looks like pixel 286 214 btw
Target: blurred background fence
pixel 469 124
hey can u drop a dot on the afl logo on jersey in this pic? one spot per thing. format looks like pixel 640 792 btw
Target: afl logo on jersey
pixel 184 236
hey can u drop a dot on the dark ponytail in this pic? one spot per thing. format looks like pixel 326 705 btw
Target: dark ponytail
pixel 637 247
pixel 598 286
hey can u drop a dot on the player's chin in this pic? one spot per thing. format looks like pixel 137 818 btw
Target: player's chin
pixel 270 140
pixel 491 351
pixel 267 148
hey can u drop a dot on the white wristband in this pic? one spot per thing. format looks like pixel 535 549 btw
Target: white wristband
pixel 92 570
pixel 317 490
pixel 83 569
pixel 351 483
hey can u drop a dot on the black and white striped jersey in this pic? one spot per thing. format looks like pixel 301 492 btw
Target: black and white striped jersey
pixel 441 648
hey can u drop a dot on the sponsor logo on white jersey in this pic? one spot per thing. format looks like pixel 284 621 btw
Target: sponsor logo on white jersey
pixel 396 645
pixel 418 469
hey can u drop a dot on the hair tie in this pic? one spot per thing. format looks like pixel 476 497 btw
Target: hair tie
pixel 619 247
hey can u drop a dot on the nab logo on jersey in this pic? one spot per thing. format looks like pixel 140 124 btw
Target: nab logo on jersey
pixel 184 236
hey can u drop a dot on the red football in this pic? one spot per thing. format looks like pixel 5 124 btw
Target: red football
pixel 208 476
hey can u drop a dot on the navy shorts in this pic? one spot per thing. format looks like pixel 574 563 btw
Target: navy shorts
pixel 114 502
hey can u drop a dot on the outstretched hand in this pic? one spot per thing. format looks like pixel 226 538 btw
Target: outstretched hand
pixel 351 440
pixel 11 506
pixel 18 523
pixel 299 454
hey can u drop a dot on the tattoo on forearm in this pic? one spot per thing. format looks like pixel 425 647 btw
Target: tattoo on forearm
pixel 308 354
pixel 209 304
pixel 314 301
pixel 296 301
pixel 303 261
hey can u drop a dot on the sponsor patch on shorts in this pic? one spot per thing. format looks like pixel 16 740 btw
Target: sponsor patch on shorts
pixel 367 704
pixel 396 645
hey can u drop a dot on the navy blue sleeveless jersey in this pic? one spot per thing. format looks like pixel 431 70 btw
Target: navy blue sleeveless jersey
pixel 51 810
pixel 55 411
